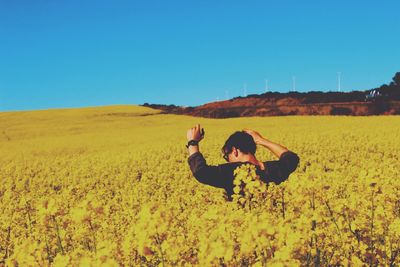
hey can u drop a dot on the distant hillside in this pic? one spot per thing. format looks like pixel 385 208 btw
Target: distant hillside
pixel 384 100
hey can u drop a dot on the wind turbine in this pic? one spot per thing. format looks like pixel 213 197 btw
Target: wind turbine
pixel 339 80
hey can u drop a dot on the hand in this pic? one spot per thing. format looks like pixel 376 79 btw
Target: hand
pixel 195 133
pixel 256 136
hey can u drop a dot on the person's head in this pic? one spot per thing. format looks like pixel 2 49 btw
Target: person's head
pixel 238 144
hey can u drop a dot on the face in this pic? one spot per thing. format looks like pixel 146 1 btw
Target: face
pixel 230 157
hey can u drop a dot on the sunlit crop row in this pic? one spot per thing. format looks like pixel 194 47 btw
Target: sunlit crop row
pixel 112 186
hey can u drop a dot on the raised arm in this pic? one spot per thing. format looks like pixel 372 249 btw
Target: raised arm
pixel 275 148
pixel 204 173
pixel 194 134
pixel 277 170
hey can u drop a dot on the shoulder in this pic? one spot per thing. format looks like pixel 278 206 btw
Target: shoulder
pixel 230 165
pixel 286 157
pixel 287 163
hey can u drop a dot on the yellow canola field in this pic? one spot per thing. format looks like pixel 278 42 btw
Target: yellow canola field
pixel 111 186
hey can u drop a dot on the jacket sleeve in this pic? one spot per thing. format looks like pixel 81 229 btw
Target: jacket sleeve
pixel 278 171
pixel 207 174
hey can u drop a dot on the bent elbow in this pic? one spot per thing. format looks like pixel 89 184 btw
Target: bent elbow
pixel 296 161
pixel 292 163
pixel 201 175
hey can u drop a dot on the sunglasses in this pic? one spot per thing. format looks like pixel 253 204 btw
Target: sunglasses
pixel 226 156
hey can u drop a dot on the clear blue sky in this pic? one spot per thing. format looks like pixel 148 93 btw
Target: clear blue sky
pixel 91 53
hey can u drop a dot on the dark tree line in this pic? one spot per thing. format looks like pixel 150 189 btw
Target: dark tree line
pixel 391 90
pixel 387 92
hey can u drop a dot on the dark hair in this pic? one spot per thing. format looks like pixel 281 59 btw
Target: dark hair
pixel 240 140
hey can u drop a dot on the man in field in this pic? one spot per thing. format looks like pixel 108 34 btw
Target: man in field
pixel 238 149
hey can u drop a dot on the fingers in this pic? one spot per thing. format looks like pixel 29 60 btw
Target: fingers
pixel 193 133
pixel 248 131
pixel 196 127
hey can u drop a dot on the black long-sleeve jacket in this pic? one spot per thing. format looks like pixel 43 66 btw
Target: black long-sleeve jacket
pixel 222 176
